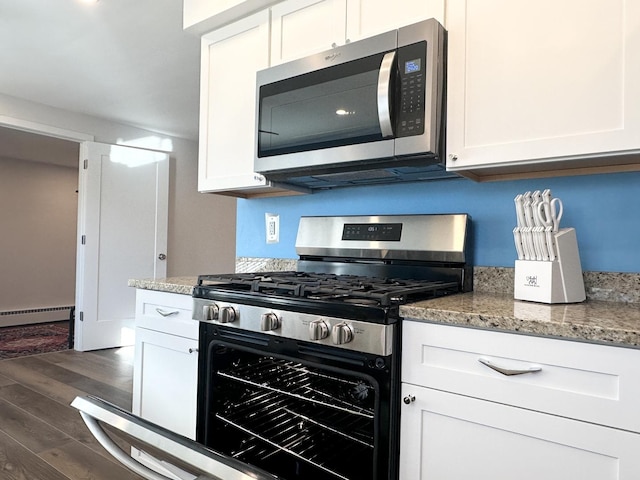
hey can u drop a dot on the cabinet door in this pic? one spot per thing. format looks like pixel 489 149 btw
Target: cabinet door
pixel 366 18
pixel 231 56
pixel 303 27
pixel 453 437
pixel 541 85
pixel 165 376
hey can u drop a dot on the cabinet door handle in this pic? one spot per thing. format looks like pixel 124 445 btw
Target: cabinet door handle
pixel 509 371
pixel 193 350
pixel 167 313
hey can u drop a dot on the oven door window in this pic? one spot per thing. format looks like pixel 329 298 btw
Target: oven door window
pixel 331 107
pixel 291 419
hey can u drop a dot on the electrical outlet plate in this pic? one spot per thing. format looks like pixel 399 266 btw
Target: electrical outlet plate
pixel 272 225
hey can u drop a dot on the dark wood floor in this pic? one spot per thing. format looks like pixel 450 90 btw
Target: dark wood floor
pixel 41 436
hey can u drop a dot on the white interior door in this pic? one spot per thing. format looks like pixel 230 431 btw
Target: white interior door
pixel 122 230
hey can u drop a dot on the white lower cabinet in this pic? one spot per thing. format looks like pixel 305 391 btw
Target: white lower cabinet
pixel 572 415
pixel 166 361
pixel 453 437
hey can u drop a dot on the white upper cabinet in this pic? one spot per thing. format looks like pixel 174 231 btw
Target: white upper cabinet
pixel 542 86
pixel 231 56
pixel 366 18
pixel 303 27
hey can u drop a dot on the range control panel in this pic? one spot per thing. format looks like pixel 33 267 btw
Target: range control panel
pixel 374 232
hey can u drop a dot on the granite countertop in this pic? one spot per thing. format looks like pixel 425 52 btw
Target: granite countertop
pixel 609 323
pixel 613 323
pixel 183 285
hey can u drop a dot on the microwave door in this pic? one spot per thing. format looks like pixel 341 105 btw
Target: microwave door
pixel 326 117
pixel 215 466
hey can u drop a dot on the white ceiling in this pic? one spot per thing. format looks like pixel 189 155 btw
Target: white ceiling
pixel 127 61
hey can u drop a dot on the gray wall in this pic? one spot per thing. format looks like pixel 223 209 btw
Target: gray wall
pixel 38 209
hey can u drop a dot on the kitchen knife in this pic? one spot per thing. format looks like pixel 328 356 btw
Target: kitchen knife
pixel 517 238
pixel 534 254
pixel 538 229
pixel 521 227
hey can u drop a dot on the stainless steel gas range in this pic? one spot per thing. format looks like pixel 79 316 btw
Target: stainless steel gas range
pixel 299 371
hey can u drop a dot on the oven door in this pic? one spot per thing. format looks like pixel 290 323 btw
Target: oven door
pixel 209 465
pixel 296 409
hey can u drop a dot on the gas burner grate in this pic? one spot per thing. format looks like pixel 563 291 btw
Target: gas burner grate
pixel 332 287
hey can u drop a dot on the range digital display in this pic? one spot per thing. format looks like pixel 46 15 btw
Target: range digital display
pixel 412 66
pixel 387 232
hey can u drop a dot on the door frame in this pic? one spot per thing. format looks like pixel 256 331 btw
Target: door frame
pixel 55 132
pixel 46 130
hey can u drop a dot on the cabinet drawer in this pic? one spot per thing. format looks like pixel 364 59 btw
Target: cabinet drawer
pixel 166 312
pixel 594 383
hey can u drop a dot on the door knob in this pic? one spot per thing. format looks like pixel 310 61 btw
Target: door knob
pixel 162 256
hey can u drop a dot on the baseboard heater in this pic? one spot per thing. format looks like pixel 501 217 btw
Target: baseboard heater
pixel 34 315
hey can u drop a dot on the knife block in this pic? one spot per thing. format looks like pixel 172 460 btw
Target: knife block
pixel 558 281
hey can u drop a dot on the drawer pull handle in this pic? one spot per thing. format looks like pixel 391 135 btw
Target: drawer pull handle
pixel 509 371
pixel 167 313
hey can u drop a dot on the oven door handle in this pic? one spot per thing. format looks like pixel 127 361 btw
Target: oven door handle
pixel 384 93
pixel 116 452
pixel 94 410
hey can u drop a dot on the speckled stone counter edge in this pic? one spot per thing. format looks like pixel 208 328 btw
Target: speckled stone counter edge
pixel 607 323
pixel 182 285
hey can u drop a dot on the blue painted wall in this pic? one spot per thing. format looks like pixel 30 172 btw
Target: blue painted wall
pixel 604 210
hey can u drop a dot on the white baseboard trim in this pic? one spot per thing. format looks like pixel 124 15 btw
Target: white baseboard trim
pixel 34 315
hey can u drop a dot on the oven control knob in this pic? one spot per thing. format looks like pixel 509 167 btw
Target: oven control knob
pixel 210 312
pixel 269 321
pixel 342 333
pixel 227 315
pixel 318 330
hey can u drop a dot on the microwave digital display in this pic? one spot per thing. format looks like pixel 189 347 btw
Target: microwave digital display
pixel 412 66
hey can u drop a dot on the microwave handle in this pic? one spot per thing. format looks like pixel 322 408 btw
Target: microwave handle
pixel 384 86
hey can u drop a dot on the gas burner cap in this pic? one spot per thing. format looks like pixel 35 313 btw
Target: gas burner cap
pixel 361 301
pixel 327 296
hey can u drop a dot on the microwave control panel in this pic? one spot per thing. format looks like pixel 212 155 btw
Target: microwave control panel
pixel 412 76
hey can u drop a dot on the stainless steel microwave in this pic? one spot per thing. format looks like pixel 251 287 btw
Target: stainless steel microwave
pixel 367 112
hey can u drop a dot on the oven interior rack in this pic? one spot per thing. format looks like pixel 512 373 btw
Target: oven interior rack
pixel 263 411
pixel 290 409
pixel 292 380
pixel 304 440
